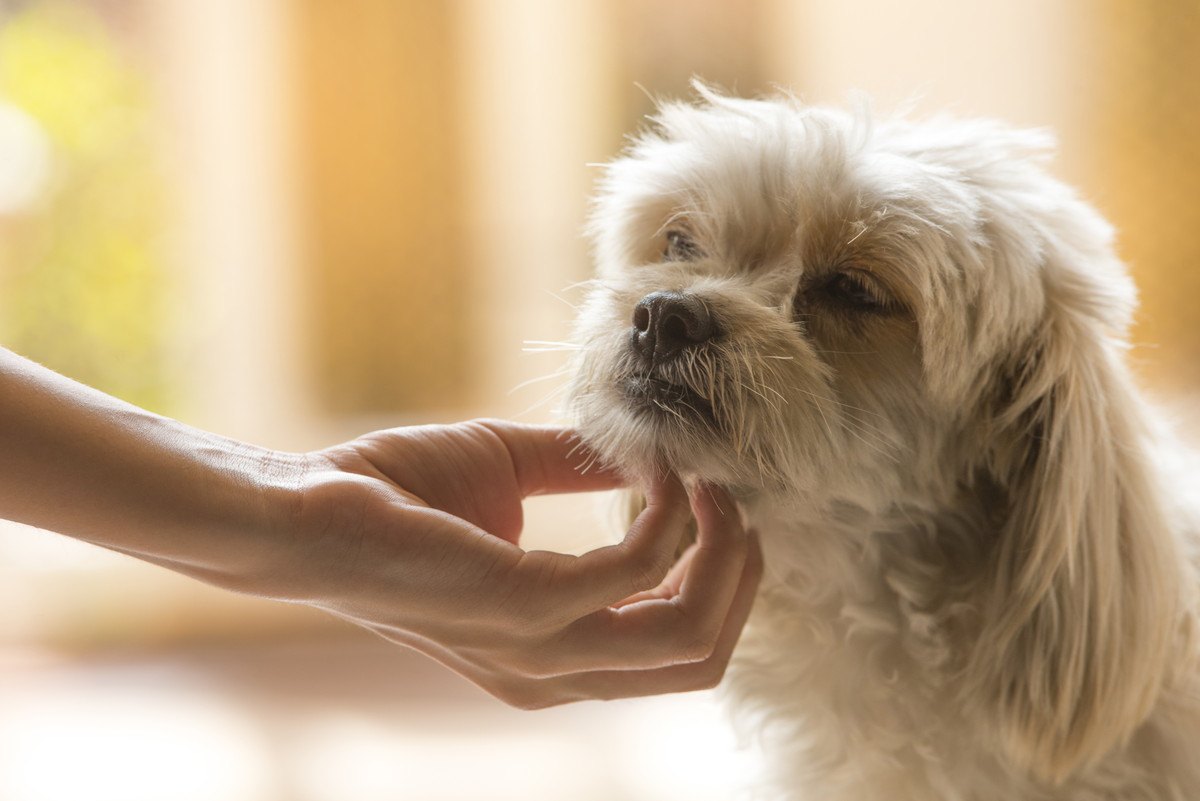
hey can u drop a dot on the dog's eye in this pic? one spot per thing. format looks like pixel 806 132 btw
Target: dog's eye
pixel 854 290
pixel 681 247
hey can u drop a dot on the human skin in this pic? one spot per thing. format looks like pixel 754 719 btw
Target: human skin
pixel 413 533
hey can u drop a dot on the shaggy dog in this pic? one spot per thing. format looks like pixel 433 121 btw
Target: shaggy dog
pixel 901 345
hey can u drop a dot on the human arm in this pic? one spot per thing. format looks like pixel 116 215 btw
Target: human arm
pixel 411 532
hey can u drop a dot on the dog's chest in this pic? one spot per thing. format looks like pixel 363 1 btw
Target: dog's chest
pixel 852 654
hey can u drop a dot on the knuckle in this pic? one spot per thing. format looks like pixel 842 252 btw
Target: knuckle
pixel 533 603
pixel 492 423
pixel 493 428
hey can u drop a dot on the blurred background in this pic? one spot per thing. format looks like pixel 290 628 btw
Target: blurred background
pixel 291 221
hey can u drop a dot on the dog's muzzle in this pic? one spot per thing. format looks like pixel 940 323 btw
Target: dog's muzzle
pixel 666 325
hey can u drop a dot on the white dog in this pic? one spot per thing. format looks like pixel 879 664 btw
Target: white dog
pixel 901 345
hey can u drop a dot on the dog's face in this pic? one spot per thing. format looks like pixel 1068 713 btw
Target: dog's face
pixel 790 300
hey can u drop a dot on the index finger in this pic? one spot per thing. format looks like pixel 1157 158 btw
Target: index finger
pixel 550 459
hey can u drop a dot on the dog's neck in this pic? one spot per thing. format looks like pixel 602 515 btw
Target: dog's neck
pixel 915 570
pixel 955 524
pixel 876 611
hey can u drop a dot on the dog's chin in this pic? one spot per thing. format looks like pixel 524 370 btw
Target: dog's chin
pixel 671 405
pixel 650 427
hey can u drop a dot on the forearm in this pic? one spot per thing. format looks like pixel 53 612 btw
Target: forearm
pixel 76 461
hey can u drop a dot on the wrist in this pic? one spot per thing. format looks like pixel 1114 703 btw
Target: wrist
pixel 92 467
pixel 248 502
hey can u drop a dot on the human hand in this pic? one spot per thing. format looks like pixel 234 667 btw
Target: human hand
pixel 414 534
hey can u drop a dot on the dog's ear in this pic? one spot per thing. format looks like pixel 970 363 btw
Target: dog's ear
pixel 1083 607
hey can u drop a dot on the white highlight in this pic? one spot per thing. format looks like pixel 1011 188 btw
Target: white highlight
pixel 25 160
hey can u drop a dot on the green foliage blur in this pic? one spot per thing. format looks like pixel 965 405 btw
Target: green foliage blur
pixel 82 288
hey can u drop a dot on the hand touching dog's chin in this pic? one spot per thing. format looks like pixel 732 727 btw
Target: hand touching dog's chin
pixel 900 345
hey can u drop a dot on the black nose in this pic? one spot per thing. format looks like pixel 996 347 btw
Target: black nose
pixel 667 323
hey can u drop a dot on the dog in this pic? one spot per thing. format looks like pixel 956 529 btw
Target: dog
pixel 901 344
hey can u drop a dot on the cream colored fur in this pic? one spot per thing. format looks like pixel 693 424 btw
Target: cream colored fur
pixel 980 541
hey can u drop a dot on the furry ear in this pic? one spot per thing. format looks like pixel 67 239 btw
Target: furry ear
pixel 1085 591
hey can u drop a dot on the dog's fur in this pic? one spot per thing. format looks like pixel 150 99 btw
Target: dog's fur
pixel 979 540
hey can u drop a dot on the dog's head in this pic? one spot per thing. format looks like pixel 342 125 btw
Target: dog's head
pixel 798 302
pixel 793 299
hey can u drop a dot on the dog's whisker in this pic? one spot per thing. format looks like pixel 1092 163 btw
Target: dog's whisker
pixel 562 300
pixel 762 384
pixel 777 393
pixel 825 420
pixel 693 409
pixel 864 423
pixel 875 434
pixel 575 448
pixel 667 408
pixel 588 463
pixel 867 426
pixel 882 452
pixel 539 379
pixel 841 403
pixel 820 411
pixel 546 399
pixel 587 282
pixel 774 406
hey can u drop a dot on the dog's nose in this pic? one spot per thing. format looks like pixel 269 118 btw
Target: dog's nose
pixel 667 323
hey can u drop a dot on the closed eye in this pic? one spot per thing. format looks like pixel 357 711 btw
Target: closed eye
pixel 681 247
pixel 853 290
